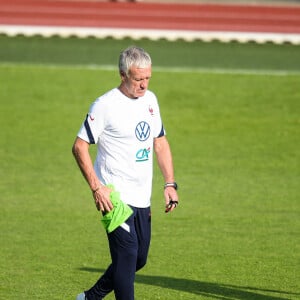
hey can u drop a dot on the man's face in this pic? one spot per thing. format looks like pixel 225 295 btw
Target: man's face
pixel 136 83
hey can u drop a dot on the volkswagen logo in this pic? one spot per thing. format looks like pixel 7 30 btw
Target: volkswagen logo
pixel 142 131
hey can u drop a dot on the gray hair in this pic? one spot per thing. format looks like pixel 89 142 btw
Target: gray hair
pixel 133 56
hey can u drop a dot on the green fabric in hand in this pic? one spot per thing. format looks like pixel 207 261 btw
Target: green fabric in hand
pixel 119 214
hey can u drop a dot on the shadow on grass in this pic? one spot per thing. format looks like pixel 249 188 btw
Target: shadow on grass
pixel 213 290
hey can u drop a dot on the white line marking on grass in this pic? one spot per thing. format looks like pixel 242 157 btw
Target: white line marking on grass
pixel 227 71
pixel 161 69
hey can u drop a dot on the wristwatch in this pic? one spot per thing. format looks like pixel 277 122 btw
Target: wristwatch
pixel 171 184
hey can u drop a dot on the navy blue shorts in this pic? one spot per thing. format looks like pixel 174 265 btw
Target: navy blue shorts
pixel 129 246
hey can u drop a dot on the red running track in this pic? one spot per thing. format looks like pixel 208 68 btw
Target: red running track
pixel 194 17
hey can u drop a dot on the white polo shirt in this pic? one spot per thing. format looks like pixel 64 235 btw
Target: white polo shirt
pixel 123 130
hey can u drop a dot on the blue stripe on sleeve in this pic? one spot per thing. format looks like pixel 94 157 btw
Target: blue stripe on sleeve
pixel 88 130
pixel 162 132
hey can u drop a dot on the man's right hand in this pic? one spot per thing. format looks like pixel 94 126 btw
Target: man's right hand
pixel 102 199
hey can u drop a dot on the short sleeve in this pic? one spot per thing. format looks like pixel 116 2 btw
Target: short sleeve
pixel 159 129
pixel 93 125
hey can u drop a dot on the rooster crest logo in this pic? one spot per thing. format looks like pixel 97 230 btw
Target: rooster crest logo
pixel 151 110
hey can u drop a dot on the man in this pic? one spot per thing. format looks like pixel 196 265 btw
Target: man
pixel 125 124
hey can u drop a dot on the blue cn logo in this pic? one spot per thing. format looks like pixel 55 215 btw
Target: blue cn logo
pixel 142 155
pixel 142 131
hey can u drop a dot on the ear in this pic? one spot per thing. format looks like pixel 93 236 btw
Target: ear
pixel 122 74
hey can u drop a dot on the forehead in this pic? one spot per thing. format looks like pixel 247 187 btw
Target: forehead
pixel 140 72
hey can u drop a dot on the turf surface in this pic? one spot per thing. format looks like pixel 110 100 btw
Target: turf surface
pixel 235 141
pixel 195 55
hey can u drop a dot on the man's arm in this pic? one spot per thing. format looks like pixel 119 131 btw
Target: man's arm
pixel 165 163
pixel 100 192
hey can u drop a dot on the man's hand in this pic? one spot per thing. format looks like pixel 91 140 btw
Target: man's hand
pixel 171 199
pixel 102 198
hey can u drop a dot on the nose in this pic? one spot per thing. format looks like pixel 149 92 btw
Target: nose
pixel 143 84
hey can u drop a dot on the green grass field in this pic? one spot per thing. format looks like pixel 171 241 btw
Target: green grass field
pixel 197 55
pixel 235 140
